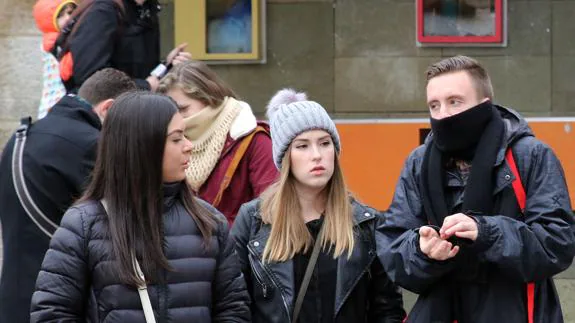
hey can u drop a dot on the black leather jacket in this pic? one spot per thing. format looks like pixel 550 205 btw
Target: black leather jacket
pixel 363 291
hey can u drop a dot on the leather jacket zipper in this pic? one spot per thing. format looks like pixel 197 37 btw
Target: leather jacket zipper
pixel 252 265
pixel 259 277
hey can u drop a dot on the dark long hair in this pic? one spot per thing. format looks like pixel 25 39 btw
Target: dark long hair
pixel 128 176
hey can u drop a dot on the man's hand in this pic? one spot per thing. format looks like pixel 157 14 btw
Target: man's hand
pixel 178 55
pixel 460 225
pixel 154 82
pixel 433 246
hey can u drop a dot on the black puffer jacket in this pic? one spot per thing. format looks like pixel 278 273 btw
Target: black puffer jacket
pixel 363 292
pixel 486 281
pixel 76 284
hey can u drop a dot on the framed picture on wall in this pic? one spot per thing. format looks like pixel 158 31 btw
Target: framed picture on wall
pixel 448 23
pixel 222 31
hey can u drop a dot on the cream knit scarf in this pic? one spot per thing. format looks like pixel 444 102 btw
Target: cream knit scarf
pixel 208 131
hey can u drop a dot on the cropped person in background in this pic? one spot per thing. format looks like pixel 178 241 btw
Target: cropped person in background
pixel 51 16
pixel 231 161
pixel 123 34
pixel 57 159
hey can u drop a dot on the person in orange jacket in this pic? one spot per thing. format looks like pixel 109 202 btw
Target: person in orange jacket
pixel 51 16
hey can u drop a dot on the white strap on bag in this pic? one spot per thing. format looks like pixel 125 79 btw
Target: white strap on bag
pixel 142 289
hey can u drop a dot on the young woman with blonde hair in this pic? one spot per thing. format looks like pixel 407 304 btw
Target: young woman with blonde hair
pixel 307 249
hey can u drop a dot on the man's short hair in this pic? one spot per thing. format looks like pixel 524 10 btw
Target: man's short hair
pixel 105 84
pixel 478 74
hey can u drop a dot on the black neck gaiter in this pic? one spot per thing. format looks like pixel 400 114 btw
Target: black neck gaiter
pixel 458 135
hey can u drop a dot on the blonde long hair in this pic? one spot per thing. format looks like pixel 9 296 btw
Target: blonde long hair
pixel 289 235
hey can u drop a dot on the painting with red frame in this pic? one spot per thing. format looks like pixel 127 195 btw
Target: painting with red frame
pixel 461 22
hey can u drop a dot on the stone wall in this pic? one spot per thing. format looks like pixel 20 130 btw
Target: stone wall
pixel 359 59
pixel 20 64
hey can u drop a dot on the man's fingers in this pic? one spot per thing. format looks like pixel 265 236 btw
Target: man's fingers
pixel 453 252
pixel 471 235
pixel 174 53
pixel 425 244
pixel 467 225
pixel 454 223
pixel 186 55
pixel 425 231
pixel 435 247
pixel 461 226
pixel 450 221
pixel 177 61
pixel 181 59
pixel 440 249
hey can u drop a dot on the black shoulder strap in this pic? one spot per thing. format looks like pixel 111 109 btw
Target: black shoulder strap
pixel 36 215
pixel 307 276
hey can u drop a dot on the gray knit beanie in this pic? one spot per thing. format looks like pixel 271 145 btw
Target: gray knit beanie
pixel 290 114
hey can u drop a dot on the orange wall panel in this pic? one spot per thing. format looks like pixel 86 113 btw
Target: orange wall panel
pixel 373 154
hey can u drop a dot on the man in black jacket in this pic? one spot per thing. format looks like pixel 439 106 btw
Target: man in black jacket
pixel 58 157
pixel 481 218
pixel 123 34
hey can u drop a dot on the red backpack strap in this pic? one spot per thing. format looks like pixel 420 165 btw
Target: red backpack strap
pixel 522 200
pixel 517 185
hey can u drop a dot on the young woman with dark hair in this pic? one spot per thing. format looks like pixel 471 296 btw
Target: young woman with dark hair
pixel 151 219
